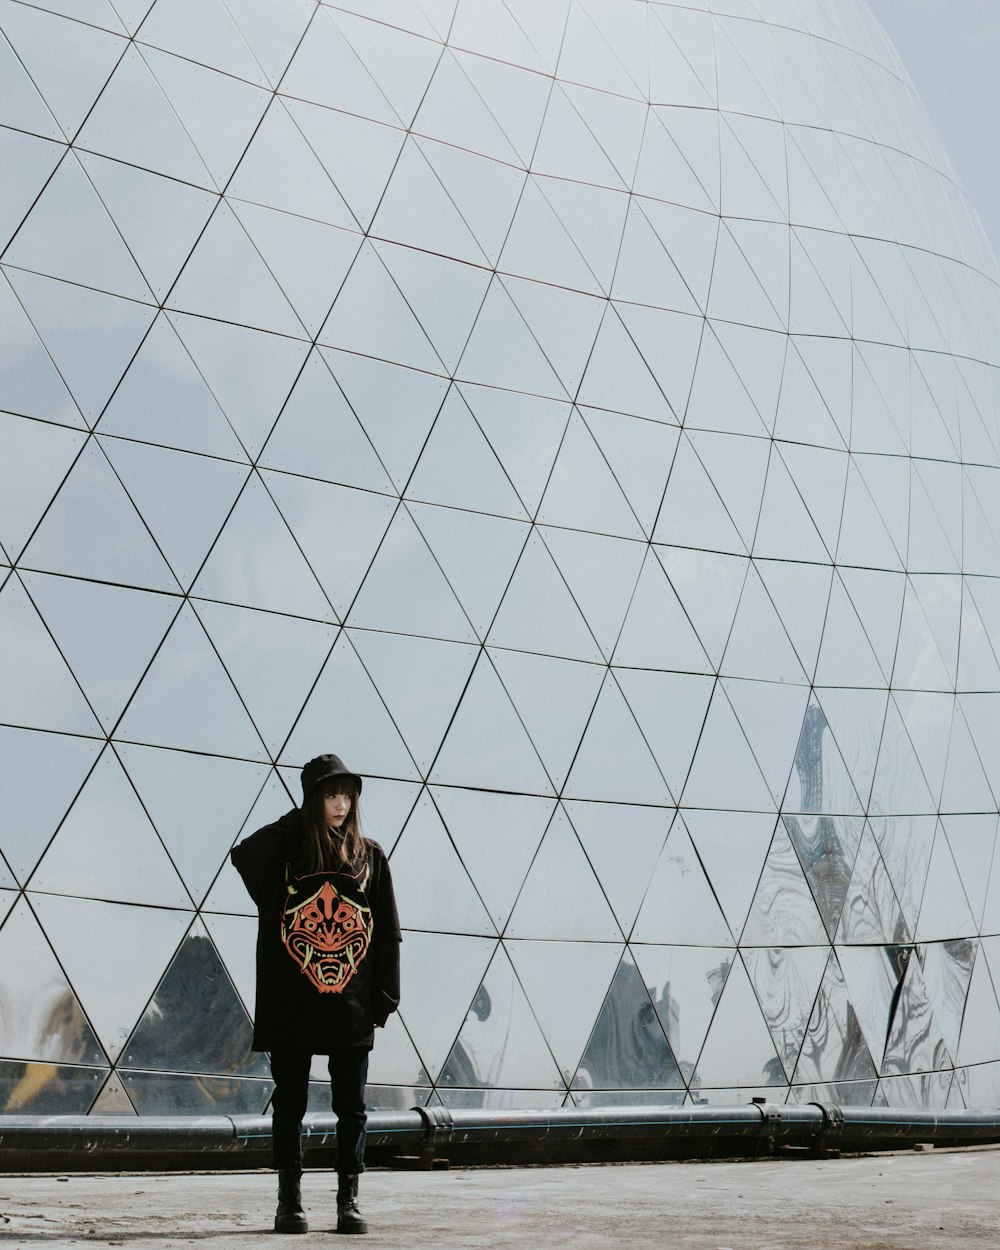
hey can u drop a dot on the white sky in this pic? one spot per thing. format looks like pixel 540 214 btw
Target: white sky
pixel 951 49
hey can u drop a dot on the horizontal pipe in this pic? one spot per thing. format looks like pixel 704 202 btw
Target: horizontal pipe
pixel 436 1129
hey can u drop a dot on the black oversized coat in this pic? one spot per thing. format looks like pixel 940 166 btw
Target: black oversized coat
pixel 327 944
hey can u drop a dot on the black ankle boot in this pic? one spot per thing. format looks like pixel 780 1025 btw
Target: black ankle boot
pixel 290 1218
pixel 349 1218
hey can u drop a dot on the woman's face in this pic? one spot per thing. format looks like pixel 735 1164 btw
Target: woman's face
pixel 336 807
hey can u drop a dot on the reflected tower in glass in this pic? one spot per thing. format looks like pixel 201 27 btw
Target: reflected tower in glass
pixel 583 416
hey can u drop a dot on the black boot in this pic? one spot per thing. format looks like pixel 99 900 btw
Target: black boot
pixel 349 1218
pixel 290 1218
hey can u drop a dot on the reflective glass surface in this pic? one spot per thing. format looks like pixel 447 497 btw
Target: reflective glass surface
pixel 583 417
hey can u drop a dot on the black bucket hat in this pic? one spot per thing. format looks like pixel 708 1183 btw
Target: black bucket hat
pixel 322 768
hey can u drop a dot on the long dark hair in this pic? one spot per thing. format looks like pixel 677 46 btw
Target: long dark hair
pixel 324 849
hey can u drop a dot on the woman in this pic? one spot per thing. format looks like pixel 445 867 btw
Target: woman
pixel 327 971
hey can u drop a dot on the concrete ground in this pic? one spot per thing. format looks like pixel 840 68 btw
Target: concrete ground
pixel 940 1200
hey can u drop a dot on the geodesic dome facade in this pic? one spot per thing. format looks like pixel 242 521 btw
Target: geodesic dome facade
pixel 583 416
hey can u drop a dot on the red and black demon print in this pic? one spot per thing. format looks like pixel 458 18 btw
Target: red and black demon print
pixel 325 931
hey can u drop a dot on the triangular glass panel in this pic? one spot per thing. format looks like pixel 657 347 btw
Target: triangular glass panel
pixel 538 612
pixel 554 699
pixel 805 411
pixel 272 659
pixel 878 600
pixel 693 513
pixel 864 538
pixel 614 762
pixel 396 407
pixel 786 981
pixel 318 435
pixel 458 467
pixel 740 785
pixel 496 836
pixel 680 905
pixel 618 377
pixel 708 585
pixel 657 633
pixel 738 1048
pixel 720 397
pixel 93 530
pixel 786 529
pixel 981 1018
pixel 234 938
pixel 670 710
pixel 476 553
pixel 826 847
pixel 112 1100
pixel 170 1094
pixel 388 804
pixel 978 666
pixel 37 688
pixel 371 316
pixel 576 910
pixel 445 296
pixel 405 588
pixel 834 1048
pixel 197 804
pixel 566 984
pixel 36 459
pixel 170 1036
pixel 667 343
pixel 564 324
pixel 502 351
pixel 915 1042
pixel 871 912
pixel 376 746
pixel 29 814
pixel 820 296
pixel 250 373
pixel 106 846
pixel 567 146
pixel 256 562
pixel 69 62
pixel 927 650
pixel 538 244
pixel 846 657
pixel 982 714
pixel 947 968
pixel 184 499
pixel 965 786
pixel 771 715
pixel 433 1020
pixel 282 169
pixel 70 235
pixel 420 680
pixel 525 433
pixel 416 207
pixel 935 534
pixel 225 278
pixel 395 1063
pixel 640 454
pixel 90 336
pixel 944 909
pixel 186 673
pixel 623 843
pixel 583 492
pixel 113 954
pixel 899 784
pixel 906 843
pixel 30 381
pixel 43 1021
pixel 329 133
pixel 500 1044
pixel 665 169
pixel 646 272
pixel 800 594
pixel 309 259
pixel 750 276
pixel 881 380
pixel 783 912
pixel 577 555
pixel 684 984
pixel 206 33
pixel 872 974
pixel 219 112
pixel 732 848
pixel 433 888
pixel 133 122
pixel 315 510
pixel 164 399
pixel 107 634
pixel 23 104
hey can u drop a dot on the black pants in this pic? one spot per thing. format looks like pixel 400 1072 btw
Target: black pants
pixel 348 1073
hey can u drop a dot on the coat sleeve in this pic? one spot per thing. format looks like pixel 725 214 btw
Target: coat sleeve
pixel 258 859
pixel 385 944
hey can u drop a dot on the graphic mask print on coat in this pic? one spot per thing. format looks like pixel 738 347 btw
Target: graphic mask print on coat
pixel 326 932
